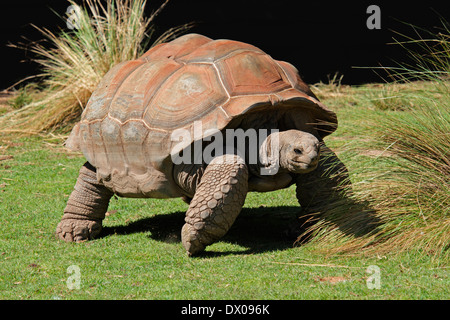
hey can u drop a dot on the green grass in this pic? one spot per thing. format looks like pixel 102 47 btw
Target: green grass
pixel 139 255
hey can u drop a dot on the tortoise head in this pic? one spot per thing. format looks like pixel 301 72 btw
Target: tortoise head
pixel 299 151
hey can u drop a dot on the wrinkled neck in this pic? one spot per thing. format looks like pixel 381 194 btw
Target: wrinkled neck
pixel 269 155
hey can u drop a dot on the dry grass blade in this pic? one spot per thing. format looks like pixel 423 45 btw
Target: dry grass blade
pixel 105 33
pixel 316 265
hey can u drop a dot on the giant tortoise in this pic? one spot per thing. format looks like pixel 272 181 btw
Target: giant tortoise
pixel 147 115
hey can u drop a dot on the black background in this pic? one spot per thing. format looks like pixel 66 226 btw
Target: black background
pixel 279 309
pixel 319 38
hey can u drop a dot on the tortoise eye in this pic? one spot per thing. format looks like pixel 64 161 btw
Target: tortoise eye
pixel 297 151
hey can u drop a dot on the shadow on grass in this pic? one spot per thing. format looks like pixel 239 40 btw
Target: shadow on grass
pixel 258 230
pixel 347 216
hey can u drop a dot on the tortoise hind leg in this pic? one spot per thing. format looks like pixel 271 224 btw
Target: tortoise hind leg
pixel 217 202
pixel 86 207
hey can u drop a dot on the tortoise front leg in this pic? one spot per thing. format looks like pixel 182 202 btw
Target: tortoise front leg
pixel 86 207
pixel 217 202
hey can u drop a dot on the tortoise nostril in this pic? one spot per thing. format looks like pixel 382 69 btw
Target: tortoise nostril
pixel 298 151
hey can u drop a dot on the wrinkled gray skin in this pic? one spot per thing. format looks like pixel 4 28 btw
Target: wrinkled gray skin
pixel 298 154
pixel 215 192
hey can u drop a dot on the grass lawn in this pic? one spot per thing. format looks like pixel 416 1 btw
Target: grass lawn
pixel 139 254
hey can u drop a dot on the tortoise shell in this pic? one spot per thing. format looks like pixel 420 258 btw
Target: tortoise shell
pixel 125 129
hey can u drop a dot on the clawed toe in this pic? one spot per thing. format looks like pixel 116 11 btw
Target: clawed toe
pixel 72 230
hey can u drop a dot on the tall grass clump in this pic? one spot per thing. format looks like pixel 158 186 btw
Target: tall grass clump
pixel 416 193
pixel 74 61
pixel 416 197
pixel 419 211
pixel 401 196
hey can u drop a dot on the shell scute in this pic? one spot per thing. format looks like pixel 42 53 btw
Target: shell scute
pixel 257 74
pixel 99 103
pixel 177 48
pixel 110 132
pixel 188 95
pixel 216 50
pixel 133 134
pixel 138 88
